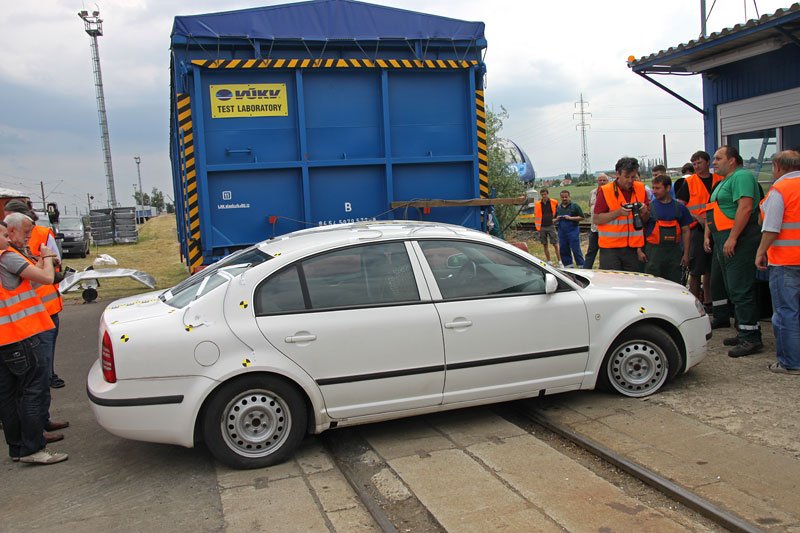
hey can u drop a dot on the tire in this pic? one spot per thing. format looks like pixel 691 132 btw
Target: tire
pixel 639 362
pixel 254 421
pixel 84 251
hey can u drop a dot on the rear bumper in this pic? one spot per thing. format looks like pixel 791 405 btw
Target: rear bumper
pixel 153 410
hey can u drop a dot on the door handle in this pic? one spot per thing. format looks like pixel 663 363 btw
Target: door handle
pixel 462 323
pixel 300 338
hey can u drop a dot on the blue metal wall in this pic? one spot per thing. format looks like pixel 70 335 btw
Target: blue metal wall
pixel 756 76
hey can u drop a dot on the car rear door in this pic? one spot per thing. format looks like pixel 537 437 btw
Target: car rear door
pixel 503 334
pixel 359 322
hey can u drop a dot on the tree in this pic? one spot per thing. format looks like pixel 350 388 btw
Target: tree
pixel 157 199
pixel 502 178
pixel 137 198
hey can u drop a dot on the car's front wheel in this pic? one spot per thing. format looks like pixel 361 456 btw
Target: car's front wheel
pixel 254 421
pixel 638 363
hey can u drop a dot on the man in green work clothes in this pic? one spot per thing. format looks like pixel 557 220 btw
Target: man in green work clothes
pixel 666 233
pixel 733 225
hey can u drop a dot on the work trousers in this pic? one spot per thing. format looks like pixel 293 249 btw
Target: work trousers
pixel 591 251
pixel 624 259
pixel 569 243
pixel 21 397
pixel 47 350
pixel 784 286
pixel 738 278
pixel 664 261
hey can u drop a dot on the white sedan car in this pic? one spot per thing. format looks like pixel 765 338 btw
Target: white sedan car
pixel 355 323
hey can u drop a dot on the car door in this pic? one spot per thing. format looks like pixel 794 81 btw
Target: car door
pixel 357 320
pixel 503 334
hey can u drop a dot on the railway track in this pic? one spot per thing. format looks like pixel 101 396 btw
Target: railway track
pixel 361 465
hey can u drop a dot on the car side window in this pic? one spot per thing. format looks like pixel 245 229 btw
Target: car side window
pixel 359 276
pixel 374 274
pixel 282 293
pixel 473 270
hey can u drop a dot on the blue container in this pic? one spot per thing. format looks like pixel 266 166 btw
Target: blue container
pixel 292 116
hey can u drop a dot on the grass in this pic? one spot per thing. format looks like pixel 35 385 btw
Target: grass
pixel 156 253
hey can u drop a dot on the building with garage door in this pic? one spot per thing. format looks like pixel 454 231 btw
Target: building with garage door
pixel 751 85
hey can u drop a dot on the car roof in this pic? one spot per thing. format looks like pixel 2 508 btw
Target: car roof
pixel 323 237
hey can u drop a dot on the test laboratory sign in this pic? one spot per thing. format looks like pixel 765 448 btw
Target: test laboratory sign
pixel 249 100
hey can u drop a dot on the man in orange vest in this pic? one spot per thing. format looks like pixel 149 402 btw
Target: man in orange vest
pixel 732 223
pixel 23 240
pixel 620 212
pixel 22 377
pixel 780 250
pixel 544 212
pixel 41 235
pixel 695 193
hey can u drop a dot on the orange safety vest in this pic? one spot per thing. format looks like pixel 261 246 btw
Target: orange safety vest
pixel 655 236
pixel 785 250
pixel 22 314
pixel 537 212
pixel 699 195
pixel 49 294
pixel 619 233
pixel 719 220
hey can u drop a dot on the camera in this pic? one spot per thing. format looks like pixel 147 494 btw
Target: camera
pixel 635 208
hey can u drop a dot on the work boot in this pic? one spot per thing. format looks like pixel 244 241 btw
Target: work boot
pixel 731 341
pixel 44 457
pixel 745 348
pixel 53 437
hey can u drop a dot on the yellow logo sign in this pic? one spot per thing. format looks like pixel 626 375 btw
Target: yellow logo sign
pixel 249 100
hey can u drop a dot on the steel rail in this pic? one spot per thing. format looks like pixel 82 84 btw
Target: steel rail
pixel 678 493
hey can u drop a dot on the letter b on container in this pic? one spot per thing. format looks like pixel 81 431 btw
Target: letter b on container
pixel 347 207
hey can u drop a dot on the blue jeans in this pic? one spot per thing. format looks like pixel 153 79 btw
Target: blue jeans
pixel 22 387
pixel 569 243
pixel 784 285
pixel 47 350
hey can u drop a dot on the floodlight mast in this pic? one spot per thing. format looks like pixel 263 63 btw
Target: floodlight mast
pixel 93 25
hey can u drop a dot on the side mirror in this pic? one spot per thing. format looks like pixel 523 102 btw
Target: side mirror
pixel 550 283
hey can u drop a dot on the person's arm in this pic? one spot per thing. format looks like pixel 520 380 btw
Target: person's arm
pixel 767 238
pixel 743 211
pixel 42 272
pixel 686 238
pixel 706 234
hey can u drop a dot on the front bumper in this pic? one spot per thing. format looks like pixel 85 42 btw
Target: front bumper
pixel 153 410
pixel 696 333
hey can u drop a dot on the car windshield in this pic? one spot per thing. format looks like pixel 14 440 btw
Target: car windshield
pixel 213 276
pixel 70 224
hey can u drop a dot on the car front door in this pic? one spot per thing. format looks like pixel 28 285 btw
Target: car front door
pixel 360 324
pixel 503 334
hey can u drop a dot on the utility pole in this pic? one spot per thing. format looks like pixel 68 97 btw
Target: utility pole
pixel 44 201
pixel 89 199
pixel 141 193
pixel 664 148
pixel 702 18
pixel 585 167
pixel 94 27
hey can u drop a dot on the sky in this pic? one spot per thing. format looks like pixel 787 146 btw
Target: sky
pixel 541 57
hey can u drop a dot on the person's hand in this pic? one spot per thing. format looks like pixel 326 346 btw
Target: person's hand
pixel 644 210
pixel 44 251
pixel 623 211
pixel 761 260
pixel 685 259
pixel 730 247
pixel 707 244
pixel 641 255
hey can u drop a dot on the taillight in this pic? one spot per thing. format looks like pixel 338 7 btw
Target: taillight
pixel 107 359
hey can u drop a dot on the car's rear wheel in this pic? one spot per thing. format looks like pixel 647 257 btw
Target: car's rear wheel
pixel 638 363
pixel 84 251
pixel 254 421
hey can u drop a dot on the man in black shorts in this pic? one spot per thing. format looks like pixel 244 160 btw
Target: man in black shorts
pixel 543 217
pixel 694 193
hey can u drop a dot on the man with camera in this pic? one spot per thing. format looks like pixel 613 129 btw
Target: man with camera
pixel 732 223
pixel 620 212
pixel 667 228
